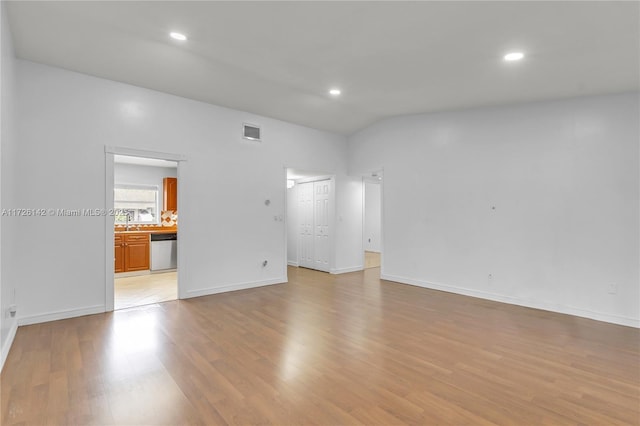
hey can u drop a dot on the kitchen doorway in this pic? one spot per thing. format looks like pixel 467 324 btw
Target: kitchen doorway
pixel 141 230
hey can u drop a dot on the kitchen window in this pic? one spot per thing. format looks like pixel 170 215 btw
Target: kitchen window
pixel 139 202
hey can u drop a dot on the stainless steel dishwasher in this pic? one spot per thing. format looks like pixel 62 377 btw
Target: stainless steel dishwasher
pixel 164 251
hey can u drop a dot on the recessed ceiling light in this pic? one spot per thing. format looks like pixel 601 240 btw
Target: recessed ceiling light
pixel 513 56
pixel 334 92
pixel 178 36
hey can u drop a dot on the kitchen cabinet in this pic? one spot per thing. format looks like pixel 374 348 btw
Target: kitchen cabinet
pixel 170 193
pixel 119 254
pixel 131 252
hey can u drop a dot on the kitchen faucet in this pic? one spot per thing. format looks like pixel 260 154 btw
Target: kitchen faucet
pixel 127 218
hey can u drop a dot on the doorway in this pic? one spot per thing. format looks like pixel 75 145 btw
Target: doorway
pixel 372 220
pixel 310 217
pixel 142 241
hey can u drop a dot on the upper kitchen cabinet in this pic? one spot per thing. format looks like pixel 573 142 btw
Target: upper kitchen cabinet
pixel 170 193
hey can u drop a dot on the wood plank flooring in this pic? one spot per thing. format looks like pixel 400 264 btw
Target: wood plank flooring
pixel 145 289
pixel 371 259
pixel 327 350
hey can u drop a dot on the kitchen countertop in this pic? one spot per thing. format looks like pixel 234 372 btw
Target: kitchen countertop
pixel 149 231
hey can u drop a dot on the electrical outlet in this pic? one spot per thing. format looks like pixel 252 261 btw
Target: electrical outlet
pixel 11 311
pixel 612 288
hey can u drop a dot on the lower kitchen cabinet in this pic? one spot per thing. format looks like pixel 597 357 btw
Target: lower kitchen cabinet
pixel 131 252
pixel 119 253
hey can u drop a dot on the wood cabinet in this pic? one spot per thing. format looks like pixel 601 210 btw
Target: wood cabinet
pixel 170 193
pixel 119 254
pixel 131 252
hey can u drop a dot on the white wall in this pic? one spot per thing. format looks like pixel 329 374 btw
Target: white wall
pixel 8 144
pixel 65 120
pixel 143 175
pixel 372 212
pixel 563 178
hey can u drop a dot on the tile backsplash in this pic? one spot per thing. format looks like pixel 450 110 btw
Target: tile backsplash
pixel 169 217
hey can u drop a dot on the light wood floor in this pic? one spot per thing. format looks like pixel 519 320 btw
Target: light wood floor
pixel 371 259
pixel 145 289
pixel 327 350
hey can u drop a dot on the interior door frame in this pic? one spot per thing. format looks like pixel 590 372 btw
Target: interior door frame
pixel 382 227
pixel 109 222
pixel 332 214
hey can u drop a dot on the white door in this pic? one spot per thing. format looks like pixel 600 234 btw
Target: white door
pixel 305 211
pixel 321 191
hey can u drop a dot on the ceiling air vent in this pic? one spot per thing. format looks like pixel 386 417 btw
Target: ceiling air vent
pixel 251 132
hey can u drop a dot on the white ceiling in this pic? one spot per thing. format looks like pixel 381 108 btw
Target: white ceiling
pixel 279 59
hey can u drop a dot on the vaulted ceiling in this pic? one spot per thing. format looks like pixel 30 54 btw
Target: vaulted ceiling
pixel 279 59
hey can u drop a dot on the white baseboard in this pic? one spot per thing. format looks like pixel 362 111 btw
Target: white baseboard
pixel 58 315
pixel 535 304
pixel 292 263
pixel 234 287
pixel 6 345
pixel 346 270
